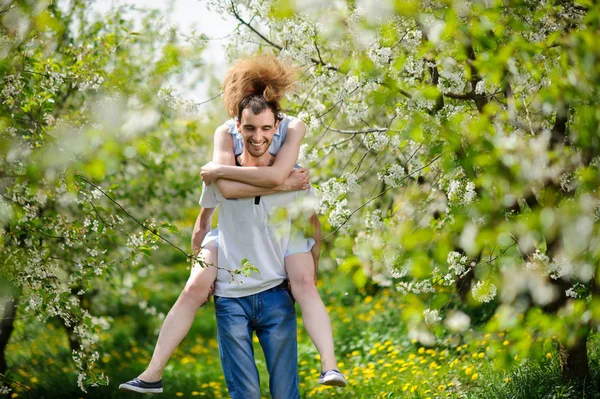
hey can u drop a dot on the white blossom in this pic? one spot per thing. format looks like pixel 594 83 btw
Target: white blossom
pixel 431 316
pixel 484 291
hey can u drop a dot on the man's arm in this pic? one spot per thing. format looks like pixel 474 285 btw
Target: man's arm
pixel 297 180
pixel 263 176
pixel 201 228
pixel 316 249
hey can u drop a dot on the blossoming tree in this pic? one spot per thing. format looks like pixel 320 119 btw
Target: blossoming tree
pixel 93 154
pixel 456 147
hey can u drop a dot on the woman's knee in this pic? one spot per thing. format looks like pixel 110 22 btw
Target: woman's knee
pixel 199 283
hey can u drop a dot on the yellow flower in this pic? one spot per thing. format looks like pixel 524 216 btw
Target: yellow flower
pixel 469 370
pixel 179 394
pixel 505 343
pixel 507 379
pixel 475 376
pixel 549 355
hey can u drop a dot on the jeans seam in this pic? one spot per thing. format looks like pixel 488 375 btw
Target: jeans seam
pixel 227 370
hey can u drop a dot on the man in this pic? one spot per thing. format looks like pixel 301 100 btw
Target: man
pixel 260 302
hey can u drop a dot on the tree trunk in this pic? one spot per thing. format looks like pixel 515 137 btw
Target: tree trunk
pixel 574 363
pixel 6 329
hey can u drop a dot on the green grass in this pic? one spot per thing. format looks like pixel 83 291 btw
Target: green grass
pixel 371 343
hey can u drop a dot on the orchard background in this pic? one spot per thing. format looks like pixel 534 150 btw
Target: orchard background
pixel 455 146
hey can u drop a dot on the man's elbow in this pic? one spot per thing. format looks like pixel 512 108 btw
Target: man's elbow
pixel 224 189
pixel 276 181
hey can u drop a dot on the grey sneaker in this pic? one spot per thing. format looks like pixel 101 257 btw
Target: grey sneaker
pixel 333 378
pixel 137 385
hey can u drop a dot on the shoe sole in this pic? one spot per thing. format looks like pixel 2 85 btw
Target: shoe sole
pixel 333 382
pixel 125 387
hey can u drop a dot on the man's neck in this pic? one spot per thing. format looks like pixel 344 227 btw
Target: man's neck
pixel 245 159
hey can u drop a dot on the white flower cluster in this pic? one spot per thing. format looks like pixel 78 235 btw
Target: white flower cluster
pixel 457 266
pixel 393 176
pixel 415 287
pixel 484 291
pixel 577 291
pixel 339 214
pixel 176 102
pixel 555 268
pixel 4 389
pixel 331 193
pixel 567 182
pixel 376 141
pixel 431 316
pixel 461 192
pixel 136 240
pixel 12 86
pixel 93 83
pixel 52 80
pixel 307 156
pixel 350 86
pixel 380 55
pixel 452 76
pixel 374 221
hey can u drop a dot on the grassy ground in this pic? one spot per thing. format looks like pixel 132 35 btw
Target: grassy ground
pixel 372 345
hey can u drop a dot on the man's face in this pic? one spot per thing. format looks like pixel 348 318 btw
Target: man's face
pixel 257 131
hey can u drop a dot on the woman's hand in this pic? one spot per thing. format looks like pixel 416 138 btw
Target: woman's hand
pixel 297 180
pixel 210 173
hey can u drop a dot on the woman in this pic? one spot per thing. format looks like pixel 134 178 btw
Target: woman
pixel 266 76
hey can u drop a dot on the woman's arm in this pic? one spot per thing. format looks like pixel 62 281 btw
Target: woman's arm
pixel 267 176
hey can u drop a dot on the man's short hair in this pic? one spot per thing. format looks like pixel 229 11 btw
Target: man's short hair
pixel 257 105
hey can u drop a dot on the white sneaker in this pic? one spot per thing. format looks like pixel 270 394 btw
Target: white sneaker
pixel 333 378
pixel 137 385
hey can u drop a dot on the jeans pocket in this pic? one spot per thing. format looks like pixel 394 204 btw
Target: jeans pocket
pixel 290 297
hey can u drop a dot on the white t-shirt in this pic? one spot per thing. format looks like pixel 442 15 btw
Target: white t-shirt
pixel 257 229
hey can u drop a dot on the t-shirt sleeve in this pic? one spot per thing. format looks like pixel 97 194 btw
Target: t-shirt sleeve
pixel 211 197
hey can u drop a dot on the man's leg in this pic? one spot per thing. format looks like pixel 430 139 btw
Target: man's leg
pixel 277 335
pixel 235 346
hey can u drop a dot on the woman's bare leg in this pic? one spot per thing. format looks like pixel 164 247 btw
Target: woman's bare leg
pixel 300 271
pixel 181 316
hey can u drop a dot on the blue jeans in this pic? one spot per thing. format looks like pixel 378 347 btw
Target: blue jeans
pixel 272 315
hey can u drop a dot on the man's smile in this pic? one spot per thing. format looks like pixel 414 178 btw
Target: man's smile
pixel 257 144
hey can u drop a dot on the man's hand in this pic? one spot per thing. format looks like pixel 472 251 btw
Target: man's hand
pixel 297 180
pixel 209 173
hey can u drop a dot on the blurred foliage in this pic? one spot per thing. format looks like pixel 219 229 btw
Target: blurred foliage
pixel 455 145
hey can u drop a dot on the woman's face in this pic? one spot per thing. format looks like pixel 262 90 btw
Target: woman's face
pixel 257 130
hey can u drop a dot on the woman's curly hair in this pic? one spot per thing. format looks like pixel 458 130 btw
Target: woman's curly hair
pixel 258 75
